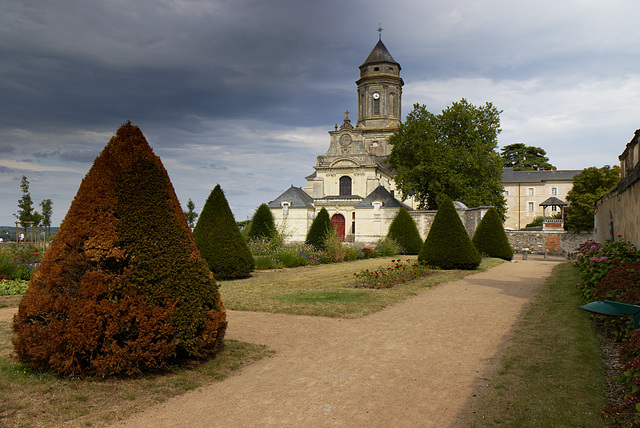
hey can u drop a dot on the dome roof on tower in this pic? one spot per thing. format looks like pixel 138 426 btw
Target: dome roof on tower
pixel 379 54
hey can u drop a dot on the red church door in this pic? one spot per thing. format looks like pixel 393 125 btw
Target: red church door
pixel 338 224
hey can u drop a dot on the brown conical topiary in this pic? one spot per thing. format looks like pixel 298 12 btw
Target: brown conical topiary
pixel 123 288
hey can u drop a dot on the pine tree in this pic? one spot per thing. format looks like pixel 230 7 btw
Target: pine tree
pixel 190 214
pixel 490 239
pixel 123 288
pixel 26 215
pixel 219 240
pixel 320 226
pixel 404 232
pixel 448 245
pixel 262 223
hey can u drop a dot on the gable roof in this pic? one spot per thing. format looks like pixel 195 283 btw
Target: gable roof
pixel 511 176
pixel 296 196
pixel 381 194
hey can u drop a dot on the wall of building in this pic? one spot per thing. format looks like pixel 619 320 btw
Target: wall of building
pixel 551 242
pixel 619 212
pixel 520 200
pixel 296 221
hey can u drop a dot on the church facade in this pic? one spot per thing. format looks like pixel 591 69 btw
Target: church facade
pixel 352 180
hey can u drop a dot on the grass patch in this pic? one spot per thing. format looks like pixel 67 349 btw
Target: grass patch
pixel 327 290
pixel 32 398
pixel 552 374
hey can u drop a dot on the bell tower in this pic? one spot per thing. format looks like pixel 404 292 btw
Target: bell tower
pixel 379 98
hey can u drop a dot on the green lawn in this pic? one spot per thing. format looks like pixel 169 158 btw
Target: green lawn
pixel 552 374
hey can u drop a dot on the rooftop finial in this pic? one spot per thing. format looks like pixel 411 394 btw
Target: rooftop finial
pixel 379 31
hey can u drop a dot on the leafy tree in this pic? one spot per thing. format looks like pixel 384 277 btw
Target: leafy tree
pixel 588 186
pixel 47 211
pixel 404 232
pixel 525 158
pixel 123 288
pixel 452 154
pixel 320 226
pixel 26 215
pixel 490 238
pixel 190 213
pixel 219 240
pixel 448 245
pixel 262 223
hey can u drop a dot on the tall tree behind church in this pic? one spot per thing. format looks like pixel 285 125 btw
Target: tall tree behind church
pixel 525 158
pixel 452 154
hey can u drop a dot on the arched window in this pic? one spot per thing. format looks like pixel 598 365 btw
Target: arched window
pixel 345 186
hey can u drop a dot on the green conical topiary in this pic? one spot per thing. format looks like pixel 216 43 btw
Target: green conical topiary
pixel 490 238
pixel 262 223
pixel 219 239
pixel 448 245
pixel 321 225
pixel 122 288
pixel 404 232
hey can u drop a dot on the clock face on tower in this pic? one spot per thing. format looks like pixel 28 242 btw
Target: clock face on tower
pixel 376 95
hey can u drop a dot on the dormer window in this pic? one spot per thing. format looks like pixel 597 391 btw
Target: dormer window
pixel 285 208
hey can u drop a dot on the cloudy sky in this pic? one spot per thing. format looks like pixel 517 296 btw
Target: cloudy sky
pixel 243 92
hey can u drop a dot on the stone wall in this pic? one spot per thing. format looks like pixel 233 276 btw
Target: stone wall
pixel 541 242
pixel 617 212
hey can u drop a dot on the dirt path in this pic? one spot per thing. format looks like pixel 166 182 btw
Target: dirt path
pixel 417 363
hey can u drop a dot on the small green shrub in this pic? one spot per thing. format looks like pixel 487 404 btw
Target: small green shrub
pixel 10 287
pixel 262 223
pixel 334 246
pixel 404 232
pixel 264 262
pixel 388 247
pixel 219 240
pixel 320 227
pixel 490 239
pixel 448 245
pixel 351 253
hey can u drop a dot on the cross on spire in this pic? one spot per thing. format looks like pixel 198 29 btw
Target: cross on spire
pixel 379 31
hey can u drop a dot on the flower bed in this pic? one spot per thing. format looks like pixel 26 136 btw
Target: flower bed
pixel 399 272
pixel 611 271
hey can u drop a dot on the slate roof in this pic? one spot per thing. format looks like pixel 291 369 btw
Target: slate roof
pixel 553 201
pixel 379 54
pixel 511 176
pixel 383 195
pixel 298 198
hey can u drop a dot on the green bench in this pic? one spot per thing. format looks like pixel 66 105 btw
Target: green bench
pixel 614 309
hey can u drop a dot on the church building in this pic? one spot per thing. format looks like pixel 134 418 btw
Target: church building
pixel 352 180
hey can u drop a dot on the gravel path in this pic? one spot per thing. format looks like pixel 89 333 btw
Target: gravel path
pixel 417 363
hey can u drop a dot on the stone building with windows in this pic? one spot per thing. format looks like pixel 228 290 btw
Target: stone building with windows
pixel 525 191
pixel 352 180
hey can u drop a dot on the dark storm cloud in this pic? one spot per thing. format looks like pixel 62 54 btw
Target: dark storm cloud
pixel 244 91
pixel 82 156
pixel 7 148
pixel 90 63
